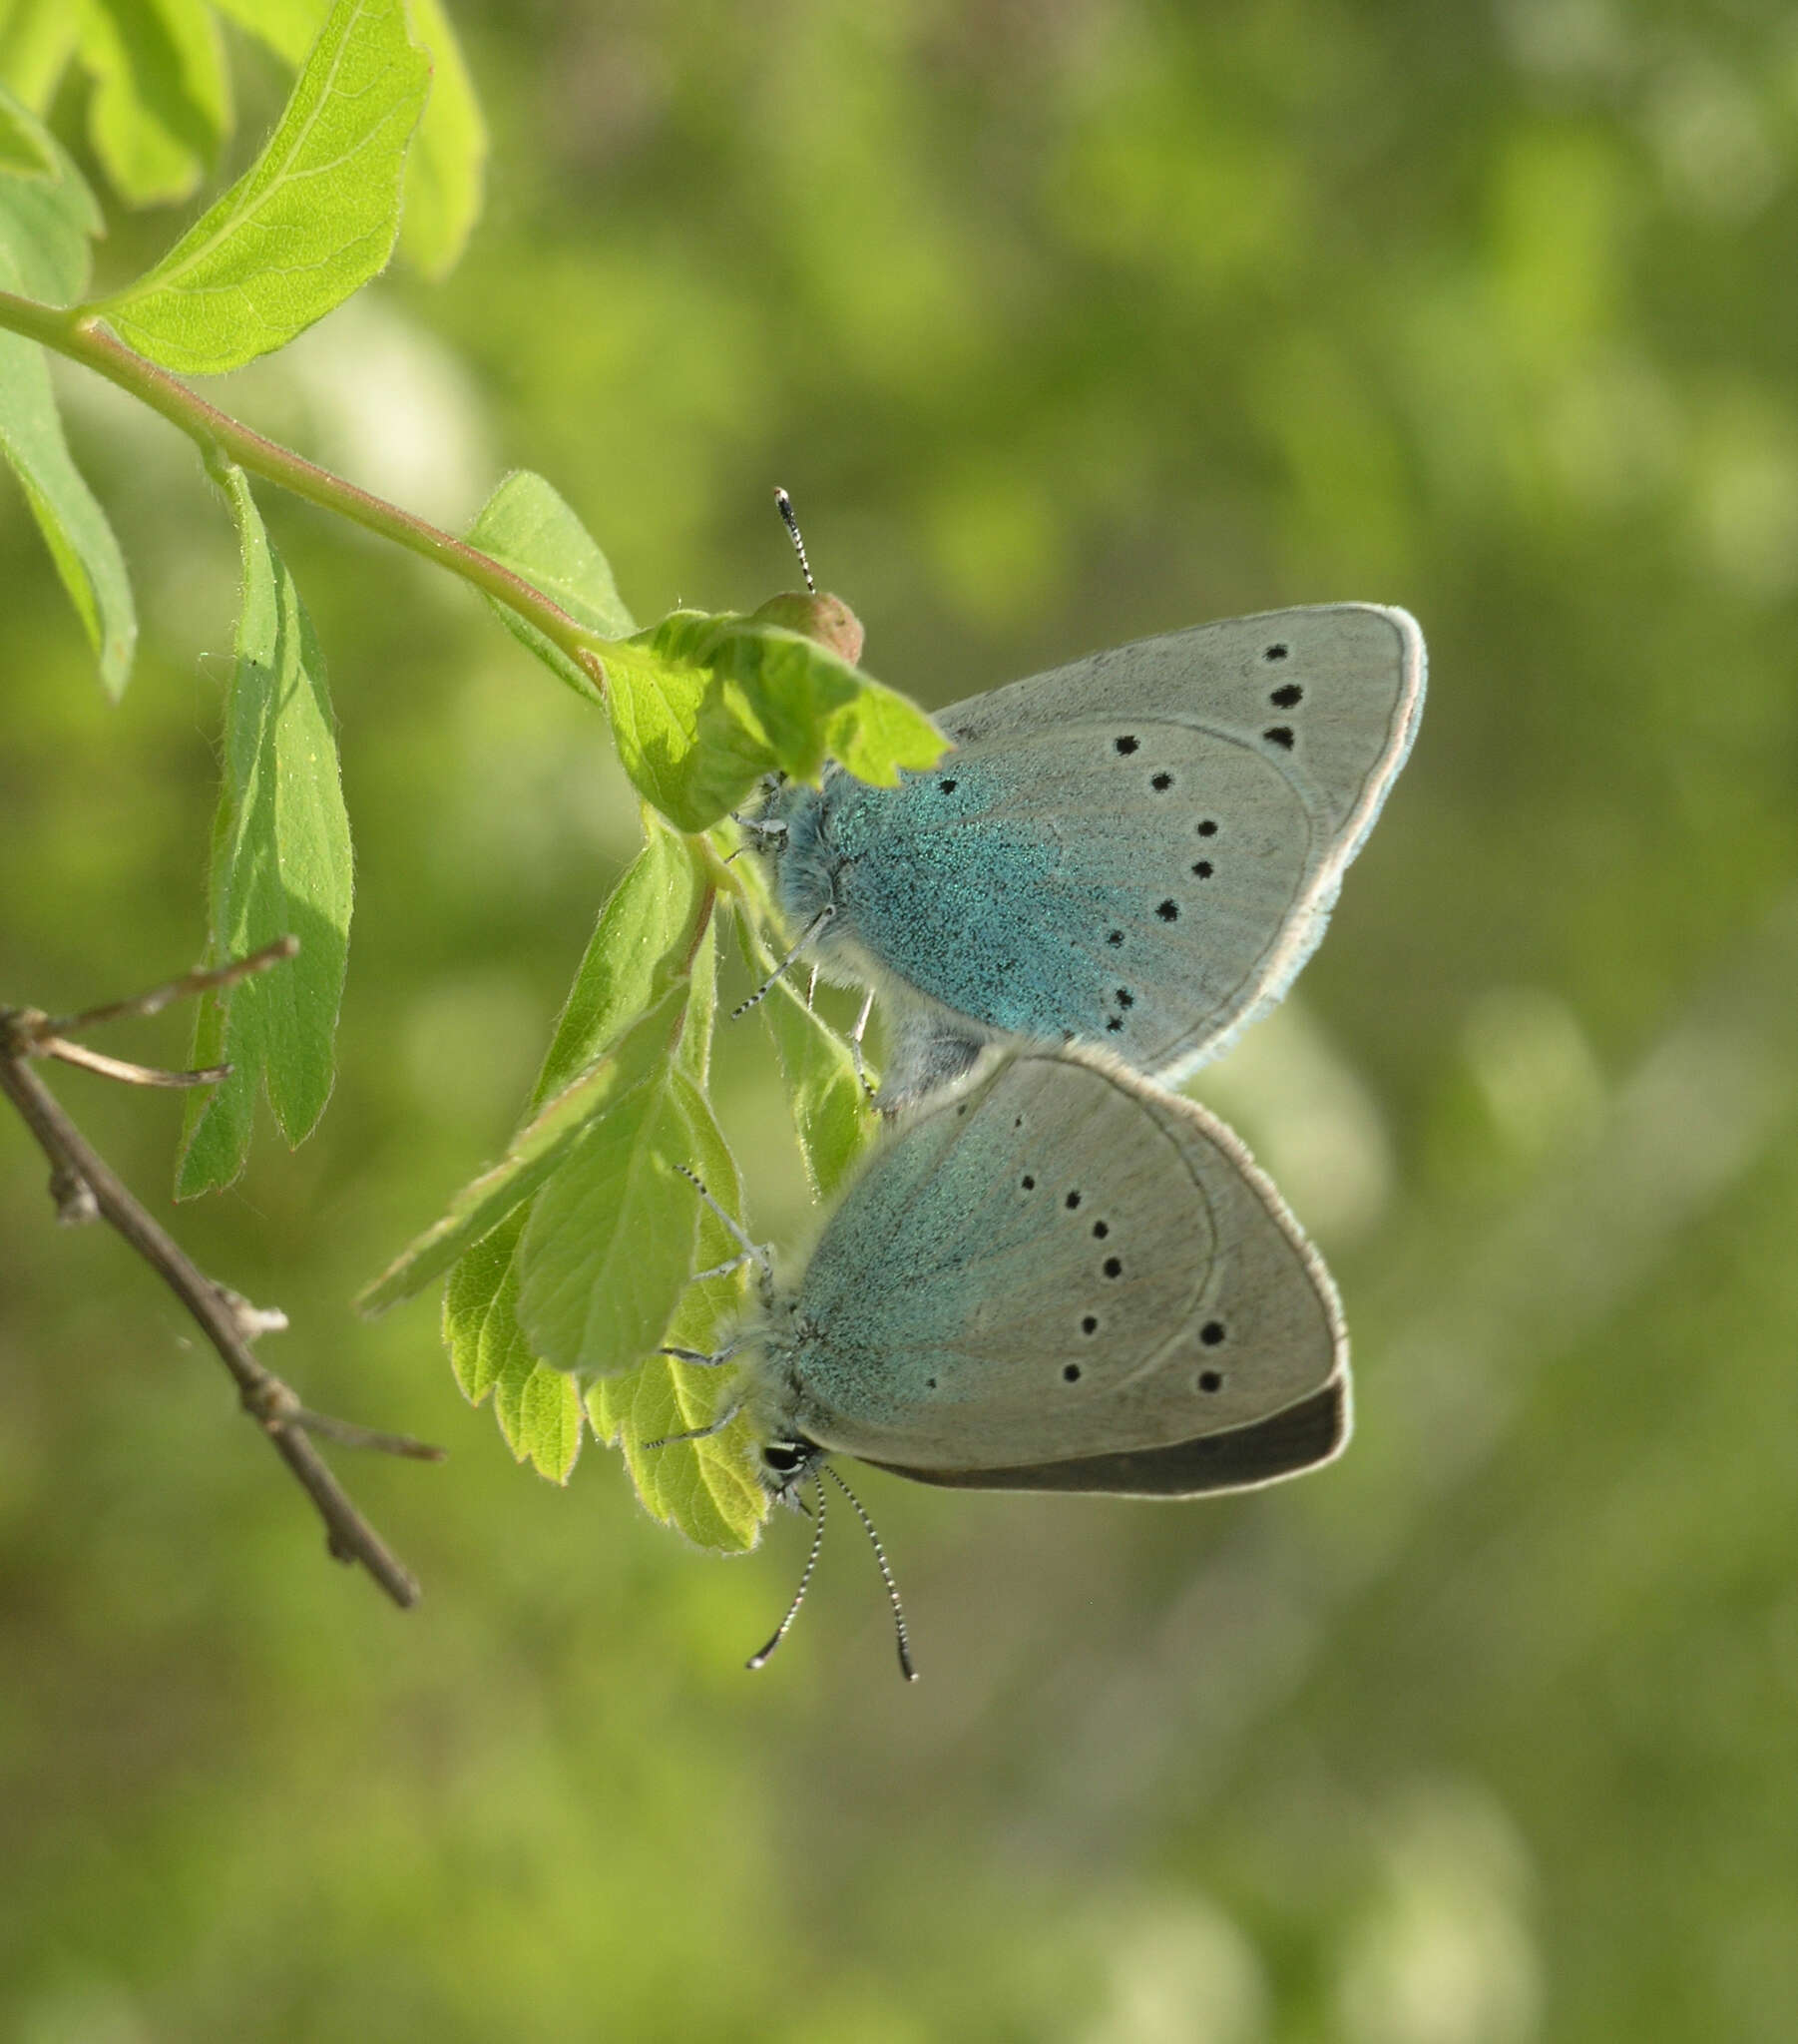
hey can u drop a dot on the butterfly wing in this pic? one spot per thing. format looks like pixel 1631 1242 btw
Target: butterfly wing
pixel 1304 1437
pixel 1062 1265
pixel 1344 681
pixel 1138 851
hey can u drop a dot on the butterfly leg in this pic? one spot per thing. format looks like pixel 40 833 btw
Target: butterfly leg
pixel 698 1356
pixel 748 1252
pixel 855 1051
pixel 699 1433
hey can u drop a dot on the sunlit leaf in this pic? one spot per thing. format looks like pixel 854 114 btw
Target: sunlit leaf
pixel 281 865
pixel 479 1301
pixel 644 939
pixel 528 527
pixel 610 1241
pixel 541 1417
pixel 47 215
pixel 536 1152
pixel 311 219
pixel 161 101
pixel 447 166
pixel 286 26
pixel 37 39
pixel 703 705
pixel 708 1488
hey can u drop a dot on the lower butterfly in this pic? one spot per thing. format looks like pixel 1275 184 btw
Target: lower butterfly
pixel 1055 1276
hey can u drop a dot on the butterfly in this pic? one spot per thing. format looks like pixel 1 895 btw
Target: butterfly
pixel 1054 1276
pixel 1138 851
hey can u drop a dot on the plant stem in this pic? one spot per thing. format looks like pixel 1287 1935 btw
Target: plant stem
pixel 216 434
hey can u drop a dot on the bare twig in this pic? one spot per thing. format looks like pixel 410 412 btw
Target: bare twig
pixel 204 979
pixel 84 1188
pixel 123 1069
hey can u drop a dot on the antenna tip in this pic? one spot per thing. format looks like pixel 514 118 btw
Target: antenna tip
pixel 782 500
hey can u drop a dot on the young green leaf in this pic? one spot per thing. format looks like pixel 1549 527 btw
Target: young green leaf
pixel 37 39
pixel 47 215
pixel 161 101
pixel 541 1417
pixel 691 748
pixel 708 1489
pixel 528 527
pixel 644 938
pixel 286 26
pixel 280 864
pixel 703 705
pixel 480 1310
pixel 447 166
pixel 311 219
pixel 536 1153
pixel 705 1489
pixel 702 1009
pixel 610 1242
pixel 538 1409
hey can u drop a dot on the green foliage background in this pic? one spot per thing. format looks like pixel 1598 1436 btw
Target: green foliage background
pixel 1063 326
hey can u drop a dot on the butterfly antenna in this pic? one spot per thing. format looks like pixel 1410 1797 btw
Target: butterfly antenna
pixel 767 986
pixel 784 505
pixel 762 1658
pixel 886 1575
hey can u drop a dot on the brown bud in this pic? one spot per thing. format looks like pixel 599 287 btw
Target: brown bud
pixel 827 619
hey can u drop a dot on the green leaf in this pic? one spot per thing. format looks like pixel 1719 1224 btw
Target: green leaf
pixel 538 1409
pixel 703 705
pixel 541 1417
pixel 311 219
pixel 160 102
pixel 37 39
pixel 708 1489
pixel 832 1120
pixel 286 26
pixel 609 1246
pixel 281 864
pixel 480 1311
pixel 536 1152
pixel 642 941
pixel 691 750
pixel 528 527
pixel 48 216
pixel 593 1259
pixel 45 217
pixel 446 170
pixel 702 1008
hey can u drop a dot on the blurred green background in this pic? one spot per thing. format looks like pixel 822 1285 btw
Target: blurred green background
pixel 1064 322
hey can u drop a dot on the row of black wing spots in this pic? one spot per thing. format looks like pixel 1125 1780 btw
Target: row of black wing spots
pixel 1214 1334
pixel 1288 695
pixel 1204 869
pixel 1112 1266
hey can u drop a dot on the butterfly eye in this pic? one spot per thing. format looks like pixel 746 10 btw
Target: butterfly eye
pixel 780 1458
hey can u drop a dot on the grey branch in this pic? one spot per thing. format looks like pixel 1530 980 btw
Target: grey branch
pixel 85 1188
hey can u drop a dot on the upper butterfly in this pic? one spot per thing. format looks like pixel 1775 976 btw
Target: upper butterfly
pixel 1138 851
